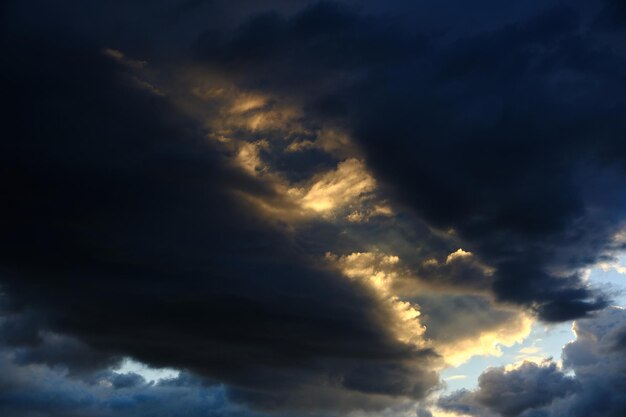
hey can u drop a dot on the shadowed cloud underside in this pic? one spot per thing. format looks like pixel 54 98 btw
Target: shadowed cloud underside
pixel 309 208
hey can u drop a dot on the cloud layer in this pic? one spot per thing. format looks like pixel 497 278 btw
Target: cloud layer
pixel 597 388
pixel 124 232
pixel 307 207
pixel 492 134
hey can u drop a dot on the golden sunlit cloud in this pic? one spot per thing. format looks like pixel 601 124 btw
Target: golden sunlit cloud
pixel 376 272
pixel 365 214
pixel 342 187
pixel 488 342
pixel 249 158
pixel 246 102
pixel 122 59
pixel 382 273
pixel 460 253
pixel 326 195
pixel 244 111
pixel 249 125
pixel 330 140
pixel 237 116
pixel 460 272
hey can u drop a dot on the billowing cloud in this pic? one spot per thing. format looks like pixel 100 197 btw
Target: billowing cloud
pixel 127 234
pixel 308 207
pixel 469 131
pixel 49 392
pixel 596 358
pixel 509 393
pixel 336 189
pixel 377 273
pixel 464 326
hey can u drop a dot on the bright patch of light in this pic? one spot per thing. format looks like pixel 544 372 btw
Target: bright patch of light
pixel 148 373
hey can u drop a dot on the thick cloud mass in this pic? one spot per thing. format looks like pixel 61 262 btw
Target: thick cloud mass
pixel 40 391
pixel 511 136
pixel 498 148
pixel 511 393
pixel 303 205
pixel 596 389
pixel 121 229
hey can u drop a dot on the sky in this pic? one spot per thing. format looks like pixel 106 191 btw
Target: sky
pixel 297 208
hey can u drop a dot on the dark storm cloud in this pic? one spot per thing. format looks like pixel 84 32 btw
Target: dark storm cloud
pixel 121 229
pixel 511 393
pixel 498 143
pixel 596 389
pixel 487 151
pixel 121 235
pixel 510 135
pixel 600 366
pixel 320 47
pixel 612 17
pixel 48 392
pixel 66 352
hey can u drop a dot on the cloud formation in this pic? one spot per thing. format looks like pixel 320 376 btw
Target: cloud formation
pixel 125 232
pixel 492 134
pixel 307 207
pixel 597 360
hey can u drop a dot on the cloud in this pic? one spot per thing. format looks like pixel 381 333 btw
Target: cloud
pixel 466 153
pixel 595 389
pixel 127 237
pixel 492 133
pixel 459 270
pixel 335 40
pixel 377 272
pixel 612 16
pixel 176 171
pixel 458 327
pixel 464 326
pixel 45 391
pixel 336 189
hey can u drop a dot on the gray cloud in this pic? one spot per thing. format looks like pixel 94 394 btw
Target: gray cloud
pixel 39 390
pixel 124 234
pixel 493 134
pixel 596 389
pixel 126 238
